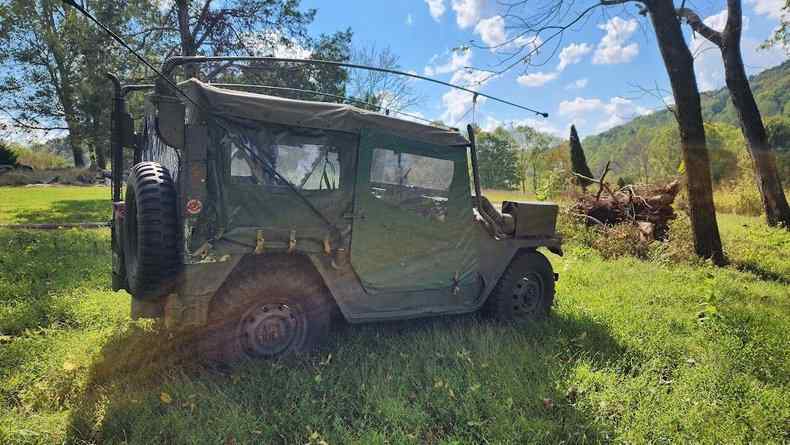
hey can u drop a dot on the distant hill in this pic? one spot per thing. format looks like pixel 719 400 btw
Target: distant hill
pixel 771 89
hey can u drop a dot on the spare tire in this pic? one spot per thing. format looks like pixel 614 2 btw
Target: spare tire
pixel 150 235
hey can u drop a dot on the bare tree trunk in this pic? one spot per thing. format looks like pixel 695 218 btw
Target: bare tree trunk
pixel 680 67
pixel 75 137
pixel 99 149
pixel 763 155
pixel 187 40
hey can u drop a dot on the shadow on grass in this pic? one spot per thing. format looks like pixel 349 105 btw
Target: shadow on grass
pixel 68 211
pixel 761 271
pixel 355 378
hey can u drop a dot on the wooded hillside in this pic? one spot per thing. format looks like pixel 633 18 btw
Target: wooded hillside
pixel 771 90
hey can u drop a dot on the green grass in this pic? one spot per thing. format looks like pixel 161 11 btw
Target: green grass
pixel 635 351
pixel 56 204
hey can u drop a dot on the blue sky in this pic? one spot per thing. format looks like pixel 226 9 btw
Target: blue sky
pixel 596 79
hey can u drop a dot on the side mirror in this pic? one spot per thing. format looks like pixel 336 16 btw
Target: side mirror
pixel 170 121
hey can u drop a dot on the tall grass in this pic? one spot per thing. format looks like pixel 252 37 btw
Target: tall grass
pixel 635 351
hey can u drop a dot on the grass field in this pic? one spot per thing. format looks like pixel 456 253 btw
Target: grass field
pixel 59 204
pixel 635 351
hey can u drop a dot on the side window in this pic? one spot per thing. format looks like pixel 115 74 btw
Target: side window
pixel 415 183
pixel 305 163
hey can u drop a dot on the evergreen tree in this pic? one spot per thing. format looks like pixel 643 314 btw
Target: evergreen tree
pixel 578 161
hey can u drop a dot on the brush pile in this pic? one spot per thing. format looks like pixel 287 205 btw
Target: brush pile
pixel 649 207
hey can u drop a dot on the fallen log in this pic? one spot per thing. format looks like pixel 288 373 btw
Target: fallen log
pixel 647 207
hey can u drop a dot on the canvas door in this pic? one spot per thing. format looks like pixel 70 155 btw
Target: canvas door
pixel 413 218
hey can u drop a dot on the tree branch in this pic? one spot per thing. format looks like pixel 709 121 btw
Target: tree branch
pixel 696 23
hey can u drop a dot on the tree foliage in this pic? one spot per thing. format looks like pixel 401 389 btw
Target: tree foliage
pixel 497 156
pixel 7 156
pixel 781 35
pixel 578 160
pixel 53 60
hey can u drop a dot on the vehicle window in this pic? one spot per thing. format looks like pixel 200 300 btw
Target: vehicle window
pixel 412 182
pixel 308 166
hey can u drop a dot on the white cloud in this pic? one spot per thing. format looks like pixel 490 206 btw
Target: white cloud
pixel 471 77
pixel 577 84
pixel 616 111
pixel 572 54
pixel 771 8
pixel 457 103
pixel 491 124
pixel 492 31
pixel 542 125
pixel 467 12
pixel 536 79
pixel 436 8
pixel 270 43
pixel 613 47
pixel 458 60
pixel 409 20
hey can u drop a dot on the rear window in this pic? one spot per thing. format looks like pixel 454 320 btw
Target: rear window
pixel 308 159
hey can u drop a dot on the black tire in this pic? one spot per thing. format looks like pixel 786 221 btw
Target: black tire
pixel 271 307
pixel 525 291
pixel 150 235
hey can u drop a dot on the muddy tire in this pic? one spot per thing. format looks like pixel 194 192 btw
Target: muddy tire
pixel 525 291
pixel 150 232
pixel 273 307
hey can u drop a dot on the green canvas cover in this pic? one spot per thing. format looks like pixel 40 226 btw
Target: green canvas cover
pixel 319 164
pixel 321 115
pixel 395 193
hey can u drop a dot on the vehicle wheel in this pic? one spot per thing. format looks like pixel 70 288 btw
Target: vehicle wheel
pixel 273 310
pixel 150 232
pixel 526 289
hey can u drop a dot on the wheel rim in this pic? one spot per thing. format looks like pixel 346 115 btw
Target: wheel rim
pixel 268 330
pixel 528 295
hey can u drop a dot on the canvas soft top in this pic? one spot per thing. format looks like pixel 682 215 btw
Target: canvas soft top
pixel 302 113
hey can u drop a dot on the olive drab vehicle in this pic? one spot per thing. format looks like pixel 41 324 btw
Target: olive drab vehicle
pixel 252 219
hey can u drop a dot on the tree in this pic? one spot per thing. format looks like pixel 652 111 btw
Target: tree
pixel 387 91
pixel 53 61
pixel 234 27
pixel 38 52
pixel 778 129
pixel 763 156
pixel 534 30
pixel 578 161
pixel 781 35
pixel 497 158
pixel 532 145
pixel 7 156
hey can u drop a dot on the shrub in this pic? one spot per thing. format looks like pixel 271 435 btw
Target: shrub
pixel 39 159
pixel 679 244
pixel 69 176
pixel 741 199
pixel 7 156
pixel 624 239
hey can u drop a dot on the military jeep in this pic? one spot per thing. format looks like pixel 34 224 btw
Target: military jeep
pixel 252 219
